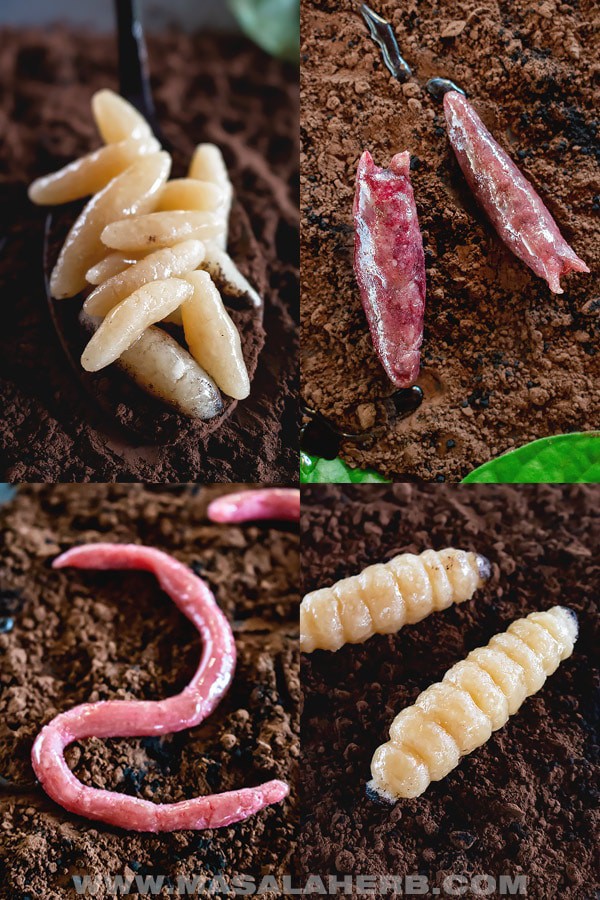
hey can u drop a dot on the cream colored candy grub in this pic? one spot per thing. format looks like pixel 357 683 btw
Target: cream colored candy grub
pixel 386 596
pixel 166 263
pixel 208 165
pixel 129 319
pixel 116 119
pixel 164 369
pixel 112 264
pixel 475 697
pixel 159 229
pixel 213 339
pixel 90 173
pixel 134 191
pixel 224 271
pixel 187 193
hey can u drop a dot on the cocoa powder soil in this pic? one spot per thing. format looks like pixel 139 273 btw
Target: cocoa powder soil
pixel 527 801
pixel 88 636
pixel 206 88
pixel 504 361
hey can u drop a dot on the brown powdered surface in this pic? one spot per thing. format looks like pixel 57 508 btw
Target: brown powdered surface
pixel 87 636
pixel 504 361
pixel 527 801
pixel 207 88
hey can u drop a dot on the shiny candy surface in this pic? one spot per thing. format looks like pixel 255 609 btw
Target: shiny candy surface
pixel 126 718
pixel 389 264
pixel 510 201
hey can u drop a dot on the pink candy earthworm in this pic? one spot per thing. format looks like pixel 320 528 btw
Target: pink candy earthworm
pixel 128 718
pixel 510 201
pixel 269 503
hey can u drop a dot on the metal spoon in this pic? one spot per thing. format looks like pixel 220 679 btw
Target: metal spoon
pixel 125 410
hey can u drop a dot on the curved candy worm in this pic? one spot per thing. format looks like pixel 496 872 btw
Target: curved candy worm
pixel 386 596
pixel 128 718
pixel 268 503
pixel 475 698
pixel 509 200
pixel 389 264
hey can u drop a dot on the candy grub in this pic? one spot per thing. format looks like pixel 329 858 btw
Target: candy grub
pixel 525 802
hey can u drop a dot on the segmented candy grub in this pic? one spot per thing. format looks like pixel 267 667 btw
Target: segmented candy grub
pixel 133 192
pixel 387 596
pixel 213 339
pixel 166 263
pixel 159 229
pixel 475 698
pixel 90 173
pixel 129 319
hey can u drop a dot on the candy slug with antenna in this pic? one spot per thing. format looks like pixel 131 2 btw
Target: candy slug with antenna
pixel 383 34
pixel 321 437
pixel 437 87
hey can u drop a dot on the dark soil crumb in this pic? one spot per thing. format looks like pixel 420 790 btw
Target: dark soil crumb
pixel 207 88
pixel 88 636
pixel 504 361
pixel 527 801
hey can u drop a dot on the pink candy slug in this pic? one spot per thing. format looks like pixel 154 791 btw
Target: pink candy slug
pixel 389 264
pixel 246 506
pixel 127 718
pixel 510 201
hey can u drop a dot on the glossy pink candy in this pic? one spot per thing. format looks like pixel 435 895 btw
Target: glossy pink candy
pixel 127 718
pixel 268 503
pixel 389 264
pixel 511 203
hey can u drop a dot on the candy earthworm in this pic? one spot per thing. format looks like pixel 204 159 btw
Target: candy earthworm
pixel 387 596
pixel 389 264
pixel 269 503
pixel 511 203
pixel 475 698
pixel 128 718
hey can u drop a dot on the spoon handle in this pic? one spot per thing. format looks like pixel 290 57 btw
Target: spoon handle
pixel 134 78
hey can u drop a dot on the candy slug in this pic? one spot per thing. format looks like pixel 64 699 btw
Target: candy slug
pixel 126 718
pixel 508 199
pixel 389 263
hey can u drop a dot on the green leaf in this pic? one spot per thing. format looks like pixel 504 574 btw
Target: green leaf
pixel 315 470
pixel 273 24
pixel 564 458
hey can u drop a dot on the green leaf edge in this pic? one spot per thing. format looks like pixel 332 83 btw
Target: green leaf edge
pixel 283 41
pixel 316 470
pixel 560 459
